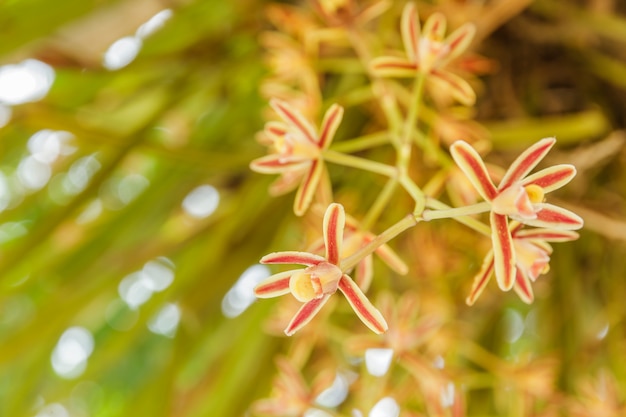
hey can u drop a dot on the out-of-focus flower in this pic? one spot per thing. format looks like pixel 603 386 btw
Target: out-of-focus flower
pixel 519 197
pixel 598 397
pixel 297 150
pixel 532 257
pixel 428 52
pixel 349 12
pixel 292 397
pixel 323 276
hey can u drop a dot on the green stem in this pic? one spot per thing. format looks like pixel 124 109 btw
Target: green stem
pixel 381 201
pixel 456 212
pixel 406 223
pixel 360 163
pixel 362 143
pixel 466 220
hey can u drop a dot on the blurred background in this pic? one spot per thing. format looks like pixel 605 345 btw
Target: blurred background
pixel 131 226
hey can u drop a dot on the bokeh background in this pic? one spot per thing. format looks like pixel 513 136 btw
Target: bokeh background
pixel 131 226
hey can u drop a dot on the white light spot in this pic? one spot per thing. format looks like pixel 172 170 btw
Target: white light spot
pixel 5 115
pixel 446 397
pixel 241 295
pixel 439 362
pixel 165 322
pixel 5 192
pixel 314 412
pixel 122 52
pixel 201 202
pixel 513 325
pixel 131 186
pixel 155 23
pixel 603 332
pixel 12 230
pixel 134 290
pixel 334 395
pixel 158 274
pixel 356 413
pixel 80 173
pixel 70 355
pixel 386 407
pixel 27 81
pixel 46 145
pixel 53 410
pixel 33 174
pixel 377 361
pixel 91 212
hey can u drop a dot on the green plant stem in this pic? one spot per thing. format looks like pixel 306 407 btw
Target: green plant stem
pixel 406 223
pixel 360 163
pixel 456 212
pixel 381 201
pixel 362 143
pixel 466 220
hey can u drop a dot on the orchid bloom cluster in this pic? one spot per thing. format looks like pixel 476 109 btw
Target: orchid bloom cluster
pixel 509 211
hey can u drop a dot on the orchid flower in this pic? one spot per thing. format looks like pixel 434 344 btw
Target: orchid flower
pixel 320 279
pixel 532 257
pixel 298 150
pixel 519 197
pixel 429 52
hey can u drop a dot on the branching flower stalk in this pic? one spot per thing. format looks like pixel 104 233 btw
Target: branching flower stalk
pixel 512 216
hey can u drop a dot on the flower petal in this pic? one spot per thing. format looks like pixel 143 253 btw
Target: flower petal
pixel 294 118
pixel 292 257
pixel 306 191
pixel 363 308
pixel 287 182
pixel 523 288
pixel 551 178
pixel 334 222
pixel 390 66
pixel 526 162
pixel 364 272
pixel 305 314
pixel 277 164
pixel 481 279
pixel 434 28
pixel 549 235
pixel 331 122
pixel 410 29
pixel 459 88
pixel 503 252
pixel 555 217
pixel 275 130
pixel 274 286
pixel 474 169
pixel 459 40
pixel 392 259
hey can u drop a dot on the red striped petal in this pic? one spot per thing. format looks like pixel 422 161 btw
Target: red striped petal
pixel 503 252
pixel 275 285
pixel 363 308
pixel 474 169
pixel 523 288
pixel 277 164
pixel 294 118
pixel 549 235
pixel 292 257
pixel 459 88
pixel 389 66
pixel 334 222
pixel 435 27
pixel 481 279
pixel 364 272
pixel 555 217
pixel 410 29
pixel 526 162
pixel 458 41
pixel 552 178
pixel 331 122
pixel 306 191
pixel 305 314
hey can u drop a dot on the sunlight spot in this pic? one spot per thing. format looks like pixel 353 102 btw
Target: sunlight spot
pixel 377 361
pixel 241 294
pixel 120 316
pixel 155 23
pixel 513 325
pixel 47 145
pixel 53 410
pixel 336 394
pixel 69 358
pixel 201 202
pixel 386 407
pixel 446 397
pixel 91 212
pixel 134 290
pixel 5 192
pixel 80 173
pixel 12 230
pixel 158 274
pixel 165 322
pixel 5 115
pixel 603 332
pixel 131 186
pixel 439 362
pixel 33 174
pixel 315 412
pixel 122 52
pixel 30 80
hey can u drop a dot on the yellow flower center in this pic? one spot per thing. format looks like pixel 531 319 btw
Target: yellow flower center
pixel 535 193
pixel 315 281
